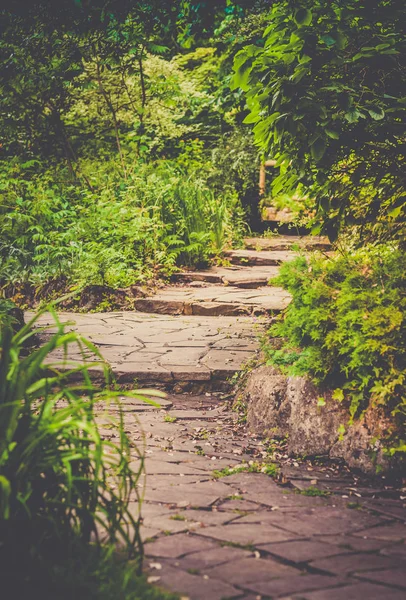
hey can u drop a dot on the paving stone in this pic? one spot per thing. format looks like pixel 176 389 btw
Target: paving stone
pixel 302 551
pixel 242 572
pixel 398 550
pixel 177 545
pixel 349 542
pixel 240 506
pixel 138 348
pixel 285 242
pixel 351 592
pixel 196 587
pixel 208 517
pixel 392 532
pixel 247 535
pixel 205 559
pixel 395 577
pixel 354 563
pixel 264 258
pixel 324 520
pixel 285 586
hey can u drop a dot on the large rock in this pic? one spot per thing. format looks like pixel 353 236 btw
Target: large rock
pixel 280 406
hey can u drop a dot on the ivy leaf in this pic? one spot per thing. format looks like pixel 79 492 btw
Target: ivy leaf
pixel 352 115
pixel 338 395
pixel 318 148
pixel 303 16
pixel 376 112
pixel 332 134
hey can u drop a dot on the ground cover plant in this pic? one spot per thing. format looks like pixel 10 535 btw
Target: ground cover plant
pixel 345 328
pixel 64 490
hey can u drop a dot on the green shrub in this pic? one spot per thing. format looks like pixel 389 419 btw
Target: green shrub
pixel 345 327
pixel 117 233
pixel 64 491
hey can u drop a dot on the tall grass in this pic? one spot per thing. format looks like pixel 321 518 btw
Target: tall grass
pixel 64 491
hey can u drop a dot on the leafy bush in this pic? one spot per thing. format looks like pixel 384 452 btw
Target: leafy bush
pixel 116 233
pixel 64 491
pixel 346 328
pixel 325 89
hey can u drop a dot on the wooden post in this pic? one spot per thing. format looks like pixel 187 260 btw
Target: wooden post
pixel 262 175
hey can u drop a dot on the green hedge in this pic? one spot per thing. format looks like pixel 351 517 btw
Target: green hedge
pixel 345 328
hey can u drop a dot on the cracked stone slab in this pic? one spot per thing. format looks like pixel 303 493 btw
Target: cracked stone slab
pixel 214 300
pixel 248 277
pixel 196 586
pixel 265 258
pixel 351 592
pixel 245 570
pixel 285 242
pixel 161 349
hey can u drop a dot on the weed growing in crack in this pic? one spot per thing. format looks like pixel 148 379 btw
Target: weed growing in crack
pixel 314 491
pixel 169 419
pixel 252 467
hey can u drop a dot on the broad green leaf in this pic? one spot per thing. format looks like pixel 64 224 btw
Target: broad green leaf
pixel 332 134
pixel 253 117
pixel 303 16
pixel 353 115
pixel 318 148
pixel 376 112
pixel 395 212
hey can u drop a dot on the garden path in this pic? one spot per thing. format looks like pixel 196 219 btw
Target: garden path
pixel 247 536
pixel 198 332
pixel 242 535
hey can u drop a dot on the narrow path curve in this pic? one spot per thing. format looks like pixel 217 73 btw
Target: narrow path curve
pixel 212 529
pixel 196 333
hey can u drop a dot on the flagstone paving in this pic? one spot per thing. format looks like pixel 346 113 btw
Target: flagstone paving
pixel 211 529
pixel 247 536
pixel 166 350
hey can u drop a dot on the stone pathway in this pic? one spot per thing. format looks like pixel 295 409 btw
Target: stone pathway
pixel 196 333
pixel 245 536
pixel 175 352
pixel 213 528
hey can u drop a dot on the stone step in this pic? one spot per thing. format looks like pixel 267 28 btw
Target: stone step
pixel 260 258
pixel 170 352
pixel 271 213
pixel 212 300
pixel 286 242
pixel 246 277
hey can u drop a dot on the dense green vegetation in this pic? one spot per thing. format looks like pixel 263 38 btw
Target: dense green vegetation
pixel 64 491
pixel 326 95
pixel 123 155
pixel 131 138
pixel 327 99
pixel 346 328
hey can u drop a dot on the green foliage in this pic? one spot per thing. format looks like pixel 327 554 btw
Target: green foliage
pixel 326 94
pixel 345 327
pixel 118 232
pixel 252 467
pixel 64 491
pixel 314 491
